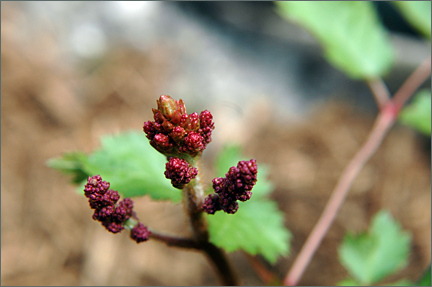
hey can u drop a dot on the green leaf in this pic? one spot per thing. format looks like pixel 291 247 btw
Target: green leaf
pixel 258 226
pixel 348 282
pixel 425 279
pixel 70 163
pixel 418 114
pixel 370 257
pixel 230 156
pixel 417 13
pixel 350 33
pixel 132 167
pixel 125 160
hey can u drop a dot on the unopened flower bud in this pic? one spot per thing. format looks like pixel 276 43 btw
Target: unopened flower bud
pixel 113 227
pixel 228 203
pixel 167 106
pixel 212 204
pixel 192 144
pixel 206 125
pixel 149 129
pixel 161 142
pixel 174 132
pixel 218 184
pixel 140 233
pixel 192 124
pixel 178 133
pixel 236 185
pixel 180 172
pixel 112 215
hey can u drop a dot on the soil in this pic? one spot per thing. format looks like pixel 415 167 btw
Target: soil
pixel 48 237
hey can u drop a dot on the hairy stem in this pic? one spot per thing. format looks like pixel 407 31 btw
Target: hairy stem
pixel 383 123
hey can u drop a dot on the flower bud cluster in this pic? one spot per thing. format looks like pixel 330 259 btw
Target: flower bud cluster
pixel 111 212
pixel 236 185
pixel 180 172
pixel 173 131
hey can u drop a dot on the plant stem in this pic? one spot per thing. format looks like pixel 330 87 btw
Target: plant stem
pixel 383 123
pixel 268 277
pixel 411 84
pixel 175 241
pixel 193 197
pixel 380 92
pixel 220 262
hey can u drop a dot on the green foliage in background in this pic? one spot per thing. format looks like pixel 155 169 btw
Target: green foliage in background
pixel 372 256
pixel 417 13
pixel 350 33
pixel 71 163
pixel 258 225
pixel 425 279
pixel 418 113
pixel 127 161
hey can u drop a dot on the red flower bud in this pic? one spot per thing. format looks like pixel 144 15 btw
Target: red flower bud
pixel 178 133
pixel 175 132
pixel 192 144
pixel 111 214
pixel 206 125
pixel 149 129
pixel 192 124
pixel 236 185
pixel 167 106
pixel 180 172
pixel 161 142
pixel 140 233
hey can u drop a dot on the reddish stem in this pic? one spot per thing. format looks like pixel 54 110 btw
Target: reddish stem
pixel 383 123
pixel 421 74
pixel 174 241
pixel 380 92
pixel 268 277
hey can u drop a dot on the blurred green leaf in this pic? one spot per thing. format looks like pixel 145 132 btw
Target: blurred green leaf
pixel 370 257
pixel 230 156
pixel 70 163
pixel 425 279
pixel 417 13
pixel 352 282
pixel 132 166
pixel 258 225
pixel 348 282
pixel 418 114
pixel 350 33
pixel 125 160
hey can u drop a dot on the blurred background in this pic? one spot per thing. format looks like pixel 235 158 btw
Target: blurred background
pixel 73 71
